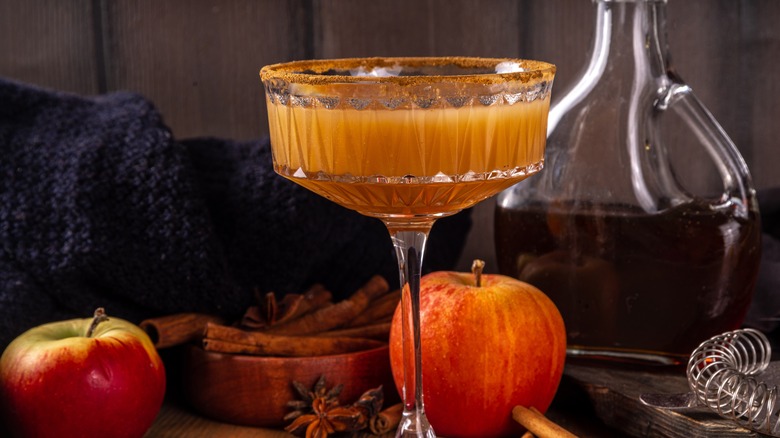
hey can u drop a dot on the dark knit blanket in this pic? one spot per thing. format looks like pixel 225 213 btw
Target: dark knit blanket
pixel 101 206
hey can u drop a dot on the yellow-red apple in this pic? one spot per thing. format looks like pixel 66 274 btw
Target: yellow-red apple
pixel 485 349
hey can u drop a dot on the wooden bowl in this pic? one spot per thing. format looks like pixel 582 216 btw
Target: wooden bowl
pixel 254 391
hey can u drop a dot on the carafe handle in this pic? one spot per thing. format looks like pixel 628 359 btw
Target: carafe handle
pixel 679 98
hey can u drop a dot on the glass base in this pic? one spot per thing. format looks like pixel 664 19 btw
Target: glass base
pixel 414 425
pixel 617 356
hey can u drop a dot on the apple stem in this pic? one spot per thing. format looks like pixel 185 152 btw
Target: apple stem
pixel 476 268
pixel 98 317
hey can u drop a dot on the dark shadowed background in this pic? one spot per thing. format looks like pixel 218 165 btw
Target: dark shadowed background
pixel 198 60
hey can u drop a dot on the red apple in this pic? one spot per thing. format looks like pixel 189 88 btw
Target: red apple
pixel 485 349
pixel 83 377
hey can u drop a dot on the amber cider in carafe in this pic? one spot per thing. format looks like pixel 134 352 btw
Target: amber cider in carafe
pixel 646 284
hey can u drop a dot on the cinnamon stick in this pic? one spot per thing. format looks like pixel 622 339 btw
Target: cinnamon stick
pixel 223 346
pixel 379 331
pixel 292 306
pixel 272 311
pixel 226 339
pixel 334 315
pixel 538 424
pixel 386 420
pixel 380 309
pixel 177 329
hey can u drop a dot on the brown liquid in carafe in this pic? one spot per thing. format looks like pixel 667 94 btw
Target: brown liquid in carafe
pixel 631 282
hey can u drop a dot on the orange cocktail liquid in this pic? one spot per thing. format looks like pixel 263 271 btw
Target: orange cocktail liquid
pixel 411 161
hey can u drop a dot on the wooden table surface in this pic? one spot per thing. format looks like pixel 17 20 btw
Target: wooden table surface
pixel 176 421
pixel 571 409
pixel 591 402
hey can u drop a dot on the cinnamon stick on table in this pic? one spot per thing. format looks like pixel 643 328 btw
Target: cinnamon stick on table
pixel 177 329
pixel 226 339
pixel 538 424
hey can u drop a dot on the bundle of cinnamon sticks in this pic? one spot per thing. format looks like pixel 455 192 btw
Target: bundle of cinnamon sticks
pixel 297 325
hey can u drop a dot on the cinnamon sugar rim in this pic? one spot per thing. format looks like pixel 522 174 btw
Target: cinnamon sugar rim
pixel 320 72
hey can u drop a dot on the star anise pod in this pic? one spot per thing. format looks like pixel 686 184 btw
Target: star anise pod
pixel 327 418
pixel 307 397
pixel 317 413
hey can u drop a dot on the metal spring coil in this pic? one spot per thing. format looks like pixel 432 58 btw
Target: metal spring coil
pixel 720 373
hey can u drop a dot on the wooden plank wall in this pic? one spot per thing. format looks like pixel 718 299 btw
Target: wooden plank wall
pixel 198 59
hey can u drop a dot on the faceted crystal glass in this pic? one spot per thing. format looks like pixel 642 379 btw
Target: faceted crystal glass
pixel 408 140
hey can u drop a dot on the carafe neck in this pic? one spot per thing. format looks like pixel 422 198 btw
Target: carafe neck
pixel 628 56
pixel 630 38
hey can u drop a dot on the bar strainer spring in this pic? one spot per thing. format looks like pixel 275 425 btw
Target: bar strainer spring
pixel 722 375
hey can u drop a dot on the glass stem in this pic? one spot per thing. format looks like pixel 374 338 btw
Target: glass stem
pixel 409 241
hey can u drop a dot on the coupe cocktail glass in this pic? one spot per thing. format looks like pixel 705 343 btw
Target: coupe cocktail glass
pixel 408 140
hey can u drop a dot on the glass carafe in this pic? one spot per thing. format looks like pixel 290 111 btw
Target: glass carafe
pixel 643 226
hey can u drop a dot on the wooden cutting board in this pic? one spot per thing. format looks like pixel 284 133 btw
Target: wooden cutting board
pixel 614 397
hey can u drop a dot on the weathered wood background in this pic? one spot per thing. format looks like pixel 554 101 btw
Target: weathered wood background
pixel 198 59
